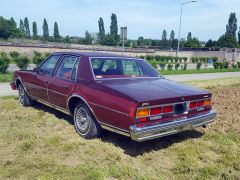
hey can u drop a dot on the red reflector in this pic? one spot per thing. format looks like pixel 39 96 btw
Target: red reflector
pixel 192 105
pixel 199 103
pixel 155 111
pixel 142 120
pixel 167 109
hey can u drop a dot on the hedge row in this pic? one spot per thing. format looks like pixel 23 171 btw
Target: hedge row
pixel 162 65
pixel 203 59
pixel 178 59
pixel 164 58
pixel 21 61
pixel 226 65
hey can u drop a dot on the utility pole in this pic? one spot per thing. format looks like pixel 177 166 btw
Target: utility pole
pixel 180 24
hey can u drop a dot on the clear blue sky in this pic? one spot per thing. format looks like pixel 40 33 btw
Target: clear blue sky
pixel 148 18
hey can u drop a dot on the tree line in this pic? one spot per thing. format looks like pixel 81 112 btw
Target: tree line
pixel 9 28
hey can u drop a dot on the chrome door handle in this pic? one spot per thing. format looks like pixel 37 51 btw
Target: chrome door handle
pixel 65 87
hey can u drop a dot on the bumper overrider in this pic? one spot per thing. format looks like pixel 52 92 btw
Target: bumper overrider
pixel 141 134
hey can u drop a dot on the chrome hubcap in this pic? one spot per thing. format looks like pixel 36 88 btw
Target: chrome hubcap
pixel 82 120
pixel 21 94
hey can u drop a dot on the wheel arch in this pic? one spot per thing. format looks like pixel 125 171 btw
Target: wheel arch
pixel 74 100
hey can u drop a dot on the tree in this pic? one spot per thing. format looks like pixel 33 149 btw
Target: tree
pixel 193 43
pixel 114 28
pixel 21 27
pixel 8 29
pixel 45 30
pixel 239 36
pixel 101 33
pixel 189 36
pixel 210 43
pixel 227 40
pixel 164 42
pixel 88 38
pixel 140 41
pixel 164 35
pixel 13 22
pixel 26 28
pixel 56 35
pixel 231 27
pixel 171 39
pixel 34 29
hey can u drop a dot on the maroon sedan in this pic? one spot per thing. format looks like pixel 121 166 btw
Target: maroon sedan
pixel 118 93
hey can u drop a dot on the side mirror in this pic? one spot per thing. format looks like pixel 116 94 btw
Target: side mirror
pixel 36 70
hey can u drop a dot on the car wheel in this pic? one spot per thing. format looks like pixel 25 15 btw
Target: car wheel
pixel 85 123
pixel 23 97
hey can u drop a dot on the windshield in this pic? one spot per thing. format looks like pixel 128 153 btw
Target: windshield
pixel 122 68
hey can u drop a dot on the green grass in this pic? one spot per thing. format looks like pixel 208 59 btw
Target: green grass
pixel 6 77
pixel 195 71
pixel 40 143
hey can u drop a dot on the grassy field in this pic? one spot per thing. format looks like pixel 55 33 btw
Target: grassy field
pixel 38 142
pixel 6 77
pixel 195 71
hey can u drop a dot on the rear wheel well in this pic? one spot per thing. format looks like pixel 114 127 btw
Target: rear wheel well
pixel 18 82
pixel 73 102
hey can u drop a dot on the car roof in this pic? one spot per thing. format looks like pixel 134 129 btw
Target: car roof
pixel 91 54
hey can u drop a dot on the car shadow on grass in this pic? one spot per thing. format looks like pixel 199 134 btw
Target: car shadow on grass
pixel 56 113
pixel 130 147
pixel 135 149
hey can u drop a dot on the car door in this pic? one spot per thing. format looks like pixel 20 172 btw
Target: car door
pixel 62 83
pixel 37 86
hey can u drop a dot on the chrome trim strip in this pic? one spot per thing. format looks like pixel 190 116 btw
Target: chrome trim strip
pixel 34 85
pixel 51 105
pixel 160 130
pixel 57 92
pixel 109 109
pixel 115 129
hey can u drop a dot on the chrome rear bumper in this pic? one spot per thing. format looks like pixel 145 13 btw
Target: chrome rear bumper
pixel 165 129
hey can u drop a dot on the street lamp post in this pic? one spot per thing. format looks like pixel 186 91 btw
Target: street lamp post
pixel 180 24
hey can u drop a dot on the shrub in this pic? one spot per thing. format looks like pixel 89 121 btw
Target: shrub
pixel 185 59
pixel 216 65
pixel 22 62
pixel 235 66
pixel 199 64
pixel 142 57
pixel 162 65
pixel 154 64
pixel 177 65
pixel 47 54
pixel 157 58
pixel 4 63
pixel 215 59
pixel 149 57
pixel 170 67
pixel 184 66
pixel 14 55
pixel 238 64
pixel 37 58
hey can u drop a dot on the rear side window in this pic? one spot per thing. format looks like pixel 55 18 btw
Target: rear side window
pixel 68 68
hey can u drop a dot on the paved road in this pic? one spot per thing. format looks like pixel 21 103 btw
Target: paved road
pixel 204 76
pixel 5 89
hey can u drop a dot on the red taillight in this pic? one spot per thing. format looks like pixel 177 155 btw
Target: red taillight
pixel 200 103
pixel 167 109
pixel 141 120
pixel 192 105
pixel 156 111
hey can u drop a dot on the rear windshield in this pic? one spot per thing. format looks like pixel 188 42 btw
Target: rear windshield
pixel 121 68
